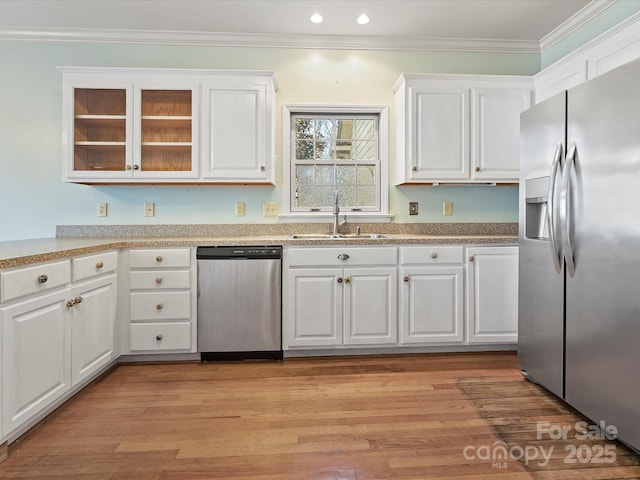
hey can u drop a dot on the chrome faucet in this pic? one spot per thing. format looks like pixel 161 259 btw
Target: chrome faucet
pixel 336 214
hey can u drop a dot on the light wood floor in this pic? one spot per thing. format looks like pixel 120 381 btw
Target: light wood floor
pixel 385 417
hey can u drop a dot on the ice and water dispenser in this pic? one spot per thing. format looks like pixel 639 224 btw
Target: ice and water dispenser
pixel 536 208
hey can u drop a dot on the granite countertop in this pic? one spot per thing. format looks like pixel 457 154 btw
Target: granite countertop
pixel 23 252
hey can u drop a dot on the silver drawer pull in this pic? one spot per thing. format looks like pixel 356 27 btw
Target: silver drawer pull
pixel 71 303
pixel 43 278
pixel 343 256
pixel 159 280
pixel 159 258
pixel 159 306
pixel 99 265
pixel 159 337
pixel 434 254
pixel 77 300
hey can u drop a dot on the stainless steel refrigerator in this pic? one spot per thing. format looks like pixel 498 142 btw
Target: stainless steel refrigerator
pixel 579 285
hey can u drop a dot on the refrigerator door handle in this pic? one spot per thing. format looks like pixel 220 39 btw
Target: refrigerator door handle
pixel 566 216
pixel 556 253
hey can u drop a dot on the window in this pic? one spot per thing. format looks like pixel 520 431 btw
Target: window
pixel 335 150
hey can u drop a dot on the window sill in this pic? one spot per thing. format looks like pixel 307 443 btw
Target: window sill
pixel 326 217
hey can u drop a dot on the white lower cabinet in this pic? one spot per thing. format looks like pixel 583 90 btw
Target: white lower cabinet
pixel 56 333
pixel 36 356
pixel 492 294
pixel 340 296
pixel 162 300
pixel 93 327
pixel 432 295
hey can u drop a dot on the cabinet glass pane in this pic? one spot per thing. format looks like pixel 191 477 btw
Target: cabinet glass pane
pixel 166 141
pixel 99 129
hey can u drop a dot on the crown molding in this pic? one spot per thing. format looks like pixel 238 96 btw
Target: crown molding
pixel 338 42
pixel 573 23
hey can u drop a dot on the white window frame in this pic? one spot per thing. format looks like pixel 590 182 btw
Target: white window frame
pixel 290 215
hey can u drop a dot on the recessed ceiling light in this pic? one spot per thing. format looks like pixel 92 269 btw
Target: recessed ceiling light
pixel 316 18
pixel 363 19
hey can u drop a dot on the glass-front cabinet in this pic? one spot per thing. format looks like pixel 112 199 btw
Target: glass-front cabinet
pixel 128 130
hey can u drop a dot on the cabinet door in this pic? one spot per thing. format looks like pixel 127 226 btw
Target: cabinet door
pixel 495 127
pixel 36 355
pixel 492 294
pixel 439 129
pixel 166 130
pixel 313 311
pixel 98 129
pixel 370 305
pixel 92 327
pixel 238 135
pixel 431 307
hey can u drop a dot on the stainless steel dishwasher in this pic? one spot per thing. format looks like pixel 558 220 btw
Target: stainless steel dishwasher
pixel 239 303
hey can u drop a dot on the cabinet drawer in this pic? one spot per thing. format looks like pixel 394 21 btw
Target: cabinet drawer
pixel 351 256
pixel 16 283
pixel 160 305
pixel 160 336
pixel 86 267
pixel 160 279
pixel 175 257
pixel 432 254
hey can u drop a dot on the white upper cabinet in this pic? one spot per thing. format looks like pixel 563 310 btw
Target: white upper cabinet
pixel 459 128
pixel 495 132
pixel 125 125
pixel 239 129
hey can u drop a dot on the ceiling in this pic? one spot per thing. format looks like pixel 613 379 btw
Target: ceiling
pixel 508 25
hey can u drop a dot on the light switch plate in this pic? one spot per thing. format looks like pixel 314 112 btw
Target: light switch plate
pixel 447 209
pixel 149 209
pixel 413 208
pixel 240 209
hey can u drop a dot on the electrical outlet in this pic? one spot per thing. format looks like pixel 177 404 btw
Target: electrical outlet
pixel 413 208
pixel 240 209
pixel 102 209
pixel 270 209
pixel 447 209
pixel 149 209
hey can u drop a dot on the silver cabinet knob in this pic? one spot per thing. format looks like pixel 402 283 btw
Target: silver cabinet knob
pixel 263 168
pixel 159 280
pixel 477 168
pixel 159 258
pixel 472 258
pixel 406 279
pixel 434 254
pixel 128 167
pixel 159 306
pixel 347 280
pixel 159 337
pixel 414 168
pixel 77 300
pixel 339 280
pixel 43 278
pixel 343 257
pixel 99 265
pixel 136 167
pixel 71 303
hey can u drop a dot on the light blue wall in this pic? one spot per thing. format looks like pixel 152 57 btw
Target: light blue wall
pixel 612 16
pixel 33 198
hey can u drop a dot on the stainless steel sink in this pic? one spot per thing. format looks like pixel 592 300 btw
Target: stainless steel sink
pixel 347 236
